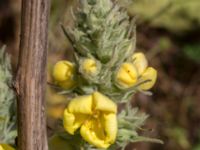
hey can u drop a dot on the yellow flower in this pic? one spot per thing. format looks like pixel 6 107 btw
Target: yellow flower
pixel 150 75
pixel 89 66
pixel 140 62
pixel 127 75
pixel 57 143
pixel 63 72
pixel 6 147
pixel 95 115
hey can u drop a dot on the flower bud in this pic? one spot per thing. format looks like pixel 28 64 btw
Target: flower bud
pixel 140 62
pixel 63 71
pixel 150 76
pixel 127 75
pixel 89 66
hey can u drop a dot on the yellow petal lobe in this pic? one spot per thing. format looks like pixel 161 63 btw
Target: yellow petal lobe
pixel 72 122
pixel 68 122
pixel 150 75
pixel 91 137
pixel 140 62
pixel 103 103
pixel 81 104
pixel 110 127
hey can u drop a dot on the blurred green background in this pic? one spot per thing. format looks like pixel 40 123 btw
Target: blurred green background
pixel 168 32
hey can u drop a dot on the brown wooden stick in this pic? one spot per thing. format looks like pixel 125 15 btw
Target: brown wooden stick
pixel 30 80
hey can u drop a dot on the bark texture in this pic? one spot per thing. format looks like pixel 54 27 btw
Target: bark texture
pixel 30 80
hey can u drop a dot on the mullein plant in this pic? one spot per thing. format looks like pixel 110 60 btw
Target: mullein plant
pixel 105 73
pixel 8 130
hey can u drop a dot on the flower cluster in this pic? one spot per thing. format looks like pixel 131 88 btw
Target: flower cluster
pixel 94 114
pixel 105 72
pixel 131 73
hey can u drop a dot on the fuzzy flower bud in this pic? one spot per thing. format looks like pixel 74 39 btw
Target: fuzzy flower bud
pixel 127 75
pixel 140 62
pixel 89 66
pixel 63 73
pixel 150 75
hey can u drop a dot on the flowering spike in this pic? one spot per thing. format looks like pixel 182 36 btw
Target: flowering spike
pixel 103 37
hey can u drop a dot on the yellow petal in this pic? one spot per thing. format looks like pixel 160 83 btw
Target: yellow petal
pixel 6 147
pixel 127 75
pixel 89 66
pixel 97 126
pixel 103 103
pixel 90 136
pixel 140 62
pixel 110 127
pixel 58 143
pixel 68 122
pixel 72 122
pixel 63 71
pixel 151 75
pixel 81 104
